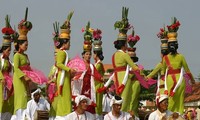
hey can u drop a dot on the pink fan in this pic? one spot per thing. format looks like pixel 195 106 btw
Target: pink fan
pixel 188 88
pixel 36 76
pixel 77 63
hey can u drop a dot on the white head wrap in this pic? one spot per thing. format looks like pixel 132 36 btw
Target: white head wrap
pixel 79 98
pixel 36 91
pixel 114 101
pixel 160 98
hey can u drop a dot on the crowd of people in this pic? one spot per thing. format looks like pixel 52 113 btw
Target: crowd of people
pixel 78 91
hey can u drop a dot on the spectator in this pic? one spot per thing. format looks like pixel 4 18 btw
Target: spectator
pixel 36 103
pixel 80 113
pixel 116 114
pixel 161 113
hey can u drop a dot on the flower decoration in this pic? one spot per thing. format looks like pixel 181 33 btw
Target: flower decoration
pixel 163 33
pixel 8 29
pixel 123 25
pixel 174 25
pixel 56 43
pixel 88 32
pixel 97 34
pixel 24 24
pixel 133 39
pixel 66 24
pixel 56 33
pixel 97 40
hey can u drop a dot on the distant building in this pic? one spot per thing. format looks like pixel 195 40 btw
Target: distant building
pixel 108 70
pixel 108 67
pixel 193 99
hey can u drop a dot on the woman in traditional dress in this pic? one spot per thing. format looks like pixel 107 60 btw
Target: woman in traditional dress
pixel 98 58
pixel 64 106
pixel 52 82
pixel 20 79
pixel 25 78
pixel 158 70
pixel 122 62
pixel 90 76
pixel 135 86
pixel 85 85
pixel 7 104
pixel 63 79
pixel 173 64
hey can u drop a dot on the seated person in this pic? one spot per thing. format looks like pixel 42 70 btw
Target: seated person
pixel 116 114
pixel 80 113
pixel 35 104
pixel 161 113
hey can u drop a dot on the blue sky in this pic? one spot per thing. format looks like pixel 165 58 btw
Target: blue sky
pixel 147 17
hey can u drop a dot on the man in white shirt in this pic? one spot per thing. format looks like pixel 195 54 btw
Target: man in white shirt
pixel 116 114
pixel 80 113
pixel 161 113
pixel 36 103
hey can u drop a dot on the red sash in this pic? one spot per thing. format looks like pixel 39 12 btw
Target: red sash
pixel 115 72
pixel 172 72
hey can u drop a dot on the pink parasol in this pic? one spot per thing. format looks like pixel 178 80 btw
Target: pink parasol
pixel 78 64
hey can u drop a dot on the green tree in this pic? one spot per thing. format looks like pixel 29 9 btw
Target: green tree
pixel 148 94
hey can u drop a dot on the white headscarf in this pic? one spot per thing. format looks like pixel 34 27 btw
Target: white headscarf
pixel 114 101
pixel 79 98
pixel 160 98
pixel 36 91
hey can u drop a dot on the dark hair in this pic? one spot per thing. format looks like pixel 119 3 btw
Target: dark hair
pixel 164 51
pixel 85 52
pixel 4 48
pixel 33 90
pixel 118 98
pixel 135 59
pixel 17 43
pixel 119 44
pixel 173 46
pixel 99 54
pixel 62 41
